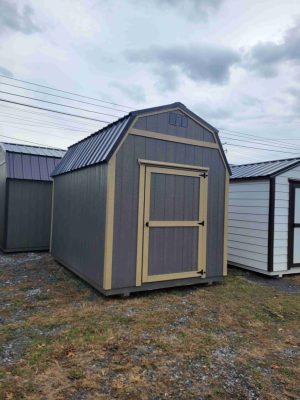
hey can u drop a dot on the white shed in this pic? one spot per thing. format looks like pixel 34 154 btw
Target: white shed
pixel 264 217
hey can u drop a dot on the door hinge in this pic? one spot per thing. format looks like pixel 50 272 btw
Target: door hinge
pixel 204 175
pixel 201 272
pixel 201 223
pixel 147 224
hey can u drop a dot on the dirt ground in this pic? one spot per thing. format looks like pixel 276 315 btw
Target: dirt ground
pixel 61 340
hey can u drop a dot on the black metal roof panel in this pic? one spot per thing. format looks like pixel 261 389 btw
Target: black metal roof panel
pixel 263 169
pixel 93 149
pixel 99 146
pixel 34 150
pixel 30 162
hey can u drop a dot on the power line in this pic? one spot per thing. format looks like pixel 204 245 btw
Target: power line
pixel 259 148
pixel 59 104
pixel 254 136
pixel 64 91
pixel 43 123
pixel 28 141
pixel 43 126
pixel 49 116
pixel 11 124
pixel 54 111
pixel 61 97
pixel 262 142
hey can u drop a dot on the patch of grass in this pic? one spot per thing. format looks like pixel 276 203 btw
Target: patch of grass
pixel 75 373
pixel 182 334
pixel 288 372
pixel 163 346
pixel 2 374
pixel 222 341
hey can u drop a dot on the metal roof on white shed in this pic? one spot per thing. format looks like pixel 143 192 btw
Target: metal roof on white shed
pixel 263 169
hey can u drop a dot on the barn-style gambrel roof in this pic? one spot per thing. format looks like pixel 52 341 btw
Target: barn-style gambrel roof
pixel 101 145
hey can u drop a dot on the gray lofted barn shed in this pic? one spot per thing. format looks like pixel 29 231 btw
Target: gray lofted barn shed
pixel 141 204
pixel 264 217
pixel 25 196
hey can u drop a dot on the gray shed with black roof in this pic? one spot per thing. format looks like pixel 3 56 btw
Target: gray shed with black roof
pixel 141 204
pixel 264 217
pixel 25 196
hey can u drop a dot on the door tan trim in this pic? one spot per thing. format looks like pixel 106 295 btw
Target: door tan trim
pixel 225 255
pixel 171 138
pixel 146 224
pixel 145 228
pixel 203 229
pixel 174 165
pixel 109 225
pixel 172 224
pixel 51 226
pixel 173 171
pixel 140 230
pixel 175 275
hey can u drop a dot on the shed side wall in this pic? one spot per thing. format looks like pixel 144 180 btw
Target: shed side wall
pixel 281 216
pixel 28 215
pixel 248 223
pixel 126 201
pixel 79 221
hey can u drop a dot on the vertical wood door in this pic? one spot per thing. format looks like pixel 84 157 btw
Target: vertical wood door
pixel 174 223
pixel 294 225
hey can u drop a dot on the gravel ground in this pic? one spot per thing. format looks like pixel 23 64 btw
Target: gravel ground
pixel 60 339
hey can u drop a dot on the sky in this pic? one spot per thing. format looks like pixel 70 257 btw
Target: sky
pixel 235 63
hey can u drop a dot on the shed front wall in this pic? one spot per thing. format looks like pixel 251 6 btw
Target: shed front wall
pixel 127 196
pixel 160 123
pixel 78 226
pixel 28 215
pixel 248 223
pixel 281 218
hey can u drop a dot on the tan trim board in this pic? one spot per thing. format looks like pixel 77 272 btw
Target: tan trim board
pixel 146 228
pixel 174 165
pixel 175 275
pixel 52 210
pixel 140 231
pixel 109 225
pixel 171 138
pixel 173 171
pixel 225 253
pixel 172 224
pixel 203 229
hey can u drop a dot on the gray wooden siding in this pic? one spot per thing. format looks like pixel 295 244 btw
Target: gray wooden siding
pixel 248 223
pixel 2 203
pixel 79 221
pixel 173 250
pixel 174 198
pixel 160 123
pixel 126 204
pixel 281 213
pixel 28 215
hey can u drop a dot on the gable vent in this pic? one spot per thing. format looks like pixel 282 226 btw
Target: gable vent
pixel 178 120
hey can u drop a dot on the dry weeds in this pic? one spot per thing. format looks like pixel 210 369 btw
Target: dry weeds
pixel 60 340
